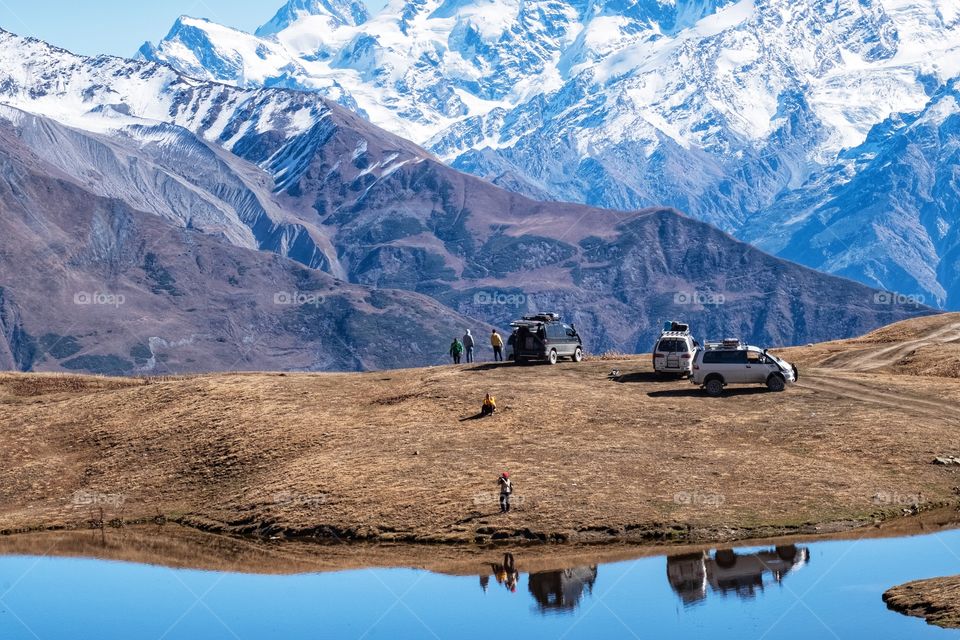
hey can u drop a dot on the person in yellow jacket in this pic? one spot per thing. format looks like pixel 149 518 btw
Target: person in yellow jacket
pixel 497 343
pixel 489 406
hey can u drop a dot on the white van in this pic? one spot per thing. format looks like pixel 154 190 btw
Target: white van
pixel 675 350
pixel 732 362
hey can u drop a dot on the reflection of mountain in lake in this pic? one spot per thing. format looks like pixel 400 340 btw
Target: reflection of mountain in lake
pixel 728 572
pixel 561 590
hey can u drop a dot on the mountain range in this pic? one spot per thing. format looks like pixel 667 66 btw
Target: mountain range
pixel 730 111
pixel 155 222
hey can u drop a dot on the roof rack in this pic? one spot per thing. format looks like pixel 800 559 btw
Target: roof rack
pixel 726 343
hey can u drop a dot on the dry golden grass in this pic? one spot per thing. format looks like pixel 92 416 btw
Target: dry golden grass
pixel 925 346
pixel 394 455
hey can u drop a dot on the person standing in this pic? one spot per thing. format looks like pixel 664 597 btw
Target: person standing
pixel 506 490
pixel 497 343
pixel 468 345
pixel 456 348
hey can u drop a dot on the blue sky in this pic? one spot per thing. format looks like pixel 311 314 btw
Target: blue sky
pixel 121 26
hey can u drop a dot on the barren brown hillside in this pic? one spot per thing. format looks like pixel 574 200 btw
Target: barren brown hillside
pixel 396 456
pixel 923 346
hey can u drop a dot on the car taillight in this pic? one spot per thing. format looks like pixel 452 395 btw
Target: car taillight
pixel 686 356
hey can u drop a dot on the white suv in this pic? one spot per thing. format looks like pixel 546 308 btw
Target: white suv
pixel 675 350
pixel 731 362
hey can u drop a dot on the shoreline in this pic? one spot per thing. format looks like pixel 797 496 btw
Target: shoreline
pixel 178 546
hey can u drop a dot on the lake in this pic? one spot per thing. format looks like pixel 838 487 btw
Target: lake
pixel 828 589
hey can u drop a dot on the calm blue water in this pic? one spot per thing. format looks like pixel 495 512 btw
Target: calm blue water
pixel 820 590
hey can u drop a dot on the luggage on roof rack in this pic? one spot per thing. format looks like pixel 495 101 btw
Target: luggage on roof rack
pixel 672 326
pixel 543 317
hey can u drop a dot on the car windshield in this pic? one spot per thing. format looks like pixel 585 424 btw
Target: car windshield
pixel 780 362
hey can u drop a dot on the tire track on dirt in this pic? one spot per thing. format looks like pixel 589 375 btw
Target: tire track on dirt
pixel 862 391
pixel 872 359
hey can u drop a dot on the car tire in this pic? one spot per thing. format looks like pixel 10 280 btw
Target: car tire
pixel 552 358
pixel 714 387
pixel 776 383
pixel 577 355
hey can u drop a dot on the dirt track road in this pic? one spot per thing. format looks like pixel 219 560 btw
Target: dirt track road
pixel 877 390
pixel 876 358
pixel 861 370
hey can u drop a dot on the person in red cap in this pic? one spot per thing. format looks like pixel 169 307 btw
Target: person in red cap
pixel 506 490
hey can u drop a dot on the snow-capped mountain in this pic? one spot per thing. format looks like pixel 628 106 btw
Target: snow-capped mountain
pixel 711 106
pixel 888 212
pixel 290 173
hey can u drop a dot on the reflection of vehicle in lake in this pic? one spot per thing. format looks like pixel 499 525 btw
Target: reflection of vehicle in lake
pixel 728 572
pixel 561 590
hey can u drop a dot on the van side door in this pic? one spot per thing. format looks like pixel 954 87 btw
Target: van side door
pixel 557 336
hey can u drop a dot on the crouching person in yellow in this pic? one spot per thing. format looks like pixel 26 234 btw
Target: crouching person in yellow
pixel 489 405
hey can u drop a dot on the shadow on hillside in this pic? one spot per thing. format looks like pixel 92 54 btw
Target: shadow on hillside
pixel 700 393
pixel 491 365
pixel 639 376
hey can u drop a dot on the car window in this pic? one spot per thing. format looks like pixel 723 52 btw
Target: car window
pixel 725 357
pixel 569 331
pixel 670 345
pixel 555 331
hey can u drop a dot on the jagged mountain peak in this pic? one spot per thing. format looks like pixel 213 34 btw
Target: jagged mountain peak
pixel 339 13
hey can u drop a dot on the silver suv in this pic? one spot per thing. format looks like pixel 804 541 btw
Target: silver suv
pixel 675 350
pixel 732 362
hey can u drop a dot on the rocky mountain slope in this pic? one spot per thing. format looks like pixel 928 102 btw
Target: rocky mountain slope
pixel 714 107
pixel 87 283
pixel 887 212
pixel 288 172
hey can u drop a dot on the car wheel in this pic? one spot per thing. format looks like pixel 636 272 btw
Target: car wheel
pixel 553 356
pixel 714 387
pixel 776 382
pixel 578 355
